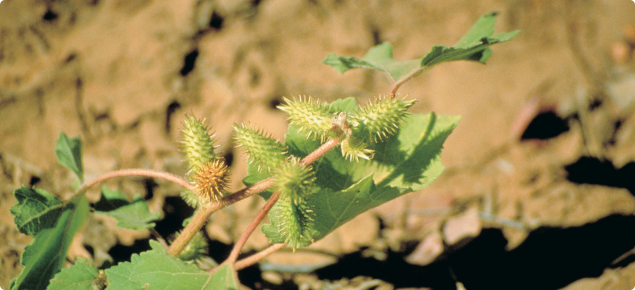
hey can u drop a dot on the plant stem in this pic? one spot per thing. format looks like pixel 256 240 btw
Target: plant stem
pixel 233 256
pixel 201 217
pixel 137 172
pixel 246 262
pixel 159 238
pixel 396 85
pixel 320 151
pixel 134 172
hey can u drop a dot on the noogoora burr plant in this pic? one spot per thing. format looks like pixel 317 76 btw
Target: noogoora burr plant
pixel 381 152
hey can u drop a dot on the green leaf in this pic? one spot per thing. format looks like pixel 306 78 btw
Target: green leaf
pixel 81 276
pixel 69 154
pixel 474 46
pixel 405 162
pixel 378 58
pixel 484 26
pixel 46 253
pixel 133 215
pixel 156 269
pixel 225 279
pixel 36 210
pixel 476 51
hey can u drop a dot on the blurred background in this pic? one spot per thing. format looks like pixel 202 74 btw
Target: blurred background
pixel 540 172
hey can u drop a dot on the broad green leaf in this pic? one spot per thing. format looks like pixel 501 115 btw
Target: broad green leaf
pixel 156 269
pixel 405 162
pixel 81 276
pixel 69 154
pixel 36 210
pixel 133 215
pixel 46 253
pixel 474 46
pixel 225 279
pixel 476 51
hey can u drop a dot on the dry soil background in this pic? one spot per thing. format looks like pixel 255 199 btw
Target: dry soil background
pixel 539 181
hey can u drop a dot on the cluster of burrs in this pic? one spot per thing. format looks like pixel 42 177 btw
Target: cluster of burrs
pixel 356 129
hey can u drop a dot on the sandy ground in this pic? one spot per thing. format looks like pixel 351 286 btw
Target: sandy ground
pixel 538 188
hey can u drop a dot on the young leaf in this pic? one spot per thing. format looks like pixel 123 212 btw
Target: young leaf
pixel 46 253
pixel 133 215
pixel 378 58
pixel 81 276
pixel 36 210
pixel 156 269
pixel 474 46
pixel 69 154
pixel 405 162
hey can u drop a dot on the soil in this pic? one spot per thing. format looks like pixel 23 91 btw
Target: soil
pixel 538 187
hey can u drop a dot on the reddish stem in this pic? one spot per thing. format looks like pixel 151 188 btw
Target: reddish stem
pixel 320 151
pixel 246 262
pixel 135 172
pixel 396 85
pixel 159 238
pixel 233 256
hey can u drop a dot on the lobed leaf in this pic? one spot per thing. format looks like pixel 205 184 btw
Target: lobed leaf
pixel 36 209
pixel 80 276
pixel 405 162
pixel 133 215
pixel 156 269
pixel 69 154
pixel 46 253
pixel 378 58
pixel 473 46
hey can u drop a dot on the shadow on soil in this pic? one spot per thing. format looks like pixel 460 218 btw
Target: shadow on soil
pixel 550 258
pixel 594 171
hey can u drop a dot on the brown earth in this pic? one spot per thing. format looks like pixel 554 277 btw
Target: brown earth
pixel 538 188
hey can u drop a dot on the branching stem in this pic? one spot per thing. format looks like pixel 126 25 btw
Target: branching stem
pixel 233 256
pixel 396 85
pixel 201 217
pixel 246 262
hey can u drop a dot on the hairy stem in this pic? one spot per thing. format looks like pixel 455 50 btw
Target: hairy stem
pixel 201 217
pixel 246 262
pixel 320 151
pixel 233 256
pixel 134 172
